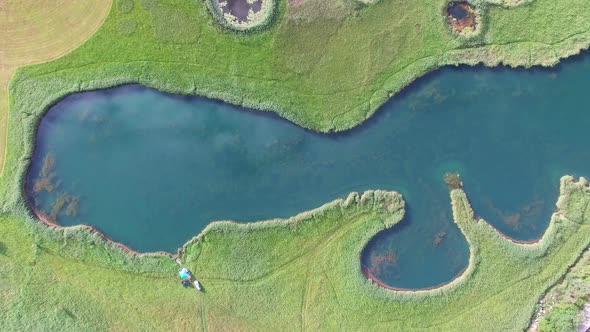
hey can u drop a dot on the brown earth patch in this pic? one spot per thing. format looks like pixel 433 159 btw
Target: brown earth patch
pixel 367 273
pixel 462 16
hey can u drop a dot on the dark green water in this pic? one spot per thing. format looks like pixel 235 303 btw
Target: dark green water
pixel 151 169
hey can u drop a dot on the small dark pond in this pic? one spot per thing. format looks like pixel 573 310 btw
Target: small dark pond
pixel 151 170
pixel 241 8
pixel 458 10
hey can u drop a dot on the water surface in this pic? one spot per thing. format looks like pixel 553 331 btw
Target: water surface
pixel 151 170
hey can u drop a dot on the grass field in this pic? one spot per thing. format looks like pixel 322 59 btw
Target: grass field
pixel 326 65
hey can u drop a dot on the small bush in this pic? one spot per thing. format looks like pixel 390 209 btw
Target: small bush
pixel 126 6
pixel 127 27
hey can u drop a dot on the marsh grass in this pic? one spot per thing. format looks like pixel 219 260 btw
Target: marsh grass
pixel 46 179
pixel 125 6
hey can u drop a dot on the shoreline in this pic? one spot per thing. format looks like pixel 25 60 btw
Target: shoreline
pixel 370 276
pixel 245 106
pixel 46 220
pixel 513 240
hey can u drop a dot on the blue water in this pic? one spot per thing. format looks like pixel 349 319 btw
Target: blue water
pixel 151 170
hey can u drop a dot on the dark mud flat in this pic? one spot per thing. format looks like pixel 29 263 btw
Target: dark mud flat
pixel 151 170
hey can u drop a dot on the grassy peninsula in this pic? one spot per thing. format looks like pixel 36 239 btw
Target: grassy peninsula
pixel 299 273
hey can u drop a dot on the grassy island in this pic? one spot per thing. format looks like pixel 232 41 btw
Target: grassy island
pixel 327 66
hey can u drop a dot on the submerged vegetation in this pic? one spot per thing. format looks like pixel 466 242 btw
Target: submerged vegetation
pixel 47 182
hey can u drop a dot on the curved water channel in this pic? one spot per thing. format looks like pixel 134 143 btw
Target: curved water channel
pixel 151 170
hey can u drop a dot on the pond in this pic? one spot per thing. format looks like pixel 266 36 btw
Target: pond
pixel 151 170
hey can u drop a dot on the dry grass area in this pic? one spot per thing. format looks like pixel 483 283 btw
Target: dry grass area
pixel 33 31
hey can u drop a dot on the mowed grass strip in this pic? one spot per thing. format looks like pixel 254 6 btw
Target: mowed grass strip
pixel 5 75
pixel 301 273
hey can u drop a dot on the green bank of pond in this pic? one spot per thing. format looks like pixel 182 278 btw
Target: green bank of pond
pixel 151 170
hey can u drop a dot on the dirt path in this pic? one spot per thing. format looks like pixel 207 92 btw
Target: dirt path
pixel 33 31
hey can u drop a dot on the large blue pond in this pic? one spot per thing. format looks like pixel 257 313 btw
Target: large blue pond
pixel 151 170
